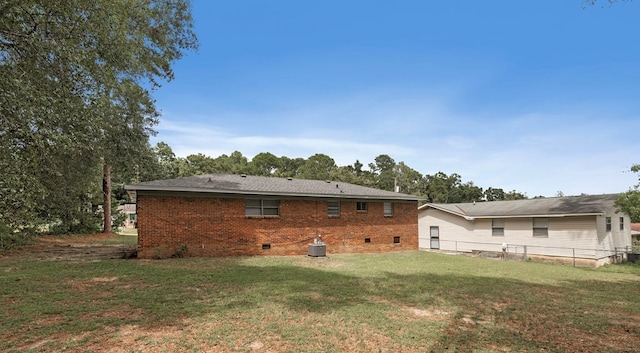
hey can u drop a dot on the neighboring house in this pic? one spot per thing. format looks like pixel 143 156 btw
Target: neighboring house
pixel 635 231
pixel 129 209
pixel 584 229
pixel 228 215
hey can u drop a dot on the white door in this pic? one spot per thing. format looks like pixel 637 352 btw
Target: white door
pixel 434 233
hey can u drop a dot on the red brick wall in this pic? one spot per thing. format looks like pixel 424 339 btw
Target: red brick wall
pixel 213 226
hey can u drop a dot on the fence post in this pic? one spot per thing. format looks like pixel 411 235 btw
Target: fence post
pixel 456 245
pixel 524 255
pixel 574 257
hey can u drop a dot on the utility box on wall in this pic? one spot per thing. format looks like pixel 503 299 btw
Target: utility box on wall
pixel 317 250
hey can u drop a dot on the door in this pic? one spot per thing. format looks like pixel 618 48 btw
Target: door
pixel 435 237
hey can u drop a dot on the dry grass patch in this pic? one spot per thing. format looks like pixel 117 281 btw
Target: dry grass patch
pixel 401 302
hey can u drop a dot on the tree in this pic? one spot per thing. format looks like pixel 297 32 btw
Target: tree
pixel 408 180
pixel 265 164
pixel 127 124
pixel 494 194
pixel 235 163
pixel 289 167
pixel 443 188
pixel 384 171
pixel 629 202
pixel 319 167
pixel 515 195
pixel 68 70
pixel 166 161
pixel 467 192
pixel 440 187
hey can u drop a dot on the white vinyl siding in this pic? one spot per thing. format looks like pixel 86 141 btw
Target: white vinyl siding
pixel 565 234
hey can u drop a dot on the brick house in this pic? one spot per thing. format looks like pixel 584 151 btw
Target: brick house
pixel 231 215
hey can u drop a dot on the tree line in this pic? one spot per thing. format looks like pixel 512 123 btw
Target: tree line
pixel 382 173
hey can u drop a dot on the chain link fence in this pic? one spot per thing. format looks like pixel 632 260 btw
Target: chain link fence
pixel 575 256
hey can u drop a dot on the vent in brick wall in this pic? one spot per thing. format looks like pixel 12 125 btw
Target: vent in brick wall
pixel 396 240
pixel 367 240
pixel 266 246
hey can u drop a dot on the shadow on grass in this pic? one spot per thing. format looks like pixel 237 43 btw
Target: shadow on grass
pixel 45 298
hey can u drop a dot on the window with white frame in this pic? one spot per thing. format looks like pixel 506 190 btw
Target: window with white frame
pixel 540 227
pixel 261 207
pixel 497 227
pixel 388 209
pixel 608 223
pixel 333 208
pixel 362 206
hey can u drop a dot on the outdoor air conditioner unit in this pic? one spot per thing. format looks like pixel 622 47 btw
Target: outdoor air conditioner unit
pixel 317 250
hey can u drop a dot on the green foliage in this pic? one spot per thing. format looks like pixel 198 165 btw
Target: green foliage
pixel 10 238
pixel 118 216
pixel 384 170
pixel 73 78
pixel 319 167
pixel 629 202
pixel 443 188
pixel 265 164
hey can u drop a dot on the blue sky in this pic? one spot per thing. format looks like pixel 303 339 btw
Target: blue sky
pixel 537 96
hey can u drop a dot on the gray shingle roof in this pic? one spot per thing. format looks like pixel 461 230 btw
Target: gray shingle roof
pixel 554 206
pixel 258 185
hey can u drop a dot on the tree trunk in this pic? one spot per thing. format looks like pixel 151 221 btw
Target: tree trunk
pixel 106 193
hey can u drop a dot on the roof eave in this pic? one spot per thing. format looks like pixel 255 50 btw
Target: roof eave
pixel 474 217
pixel 135 188
pixel 425 206
pixel 542 215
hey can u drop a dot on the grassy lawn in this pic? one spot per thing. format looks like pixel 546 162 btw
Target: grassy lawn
pixel 127 231
pixel 124 239
pixel 399 302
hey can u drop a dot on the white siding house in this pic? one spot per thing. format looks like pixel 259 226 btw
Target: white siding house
pixel 585 230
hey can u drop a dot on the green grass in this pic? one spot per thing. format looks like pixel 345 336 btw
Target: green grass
pixel 409 302
pixel 127 231
pixel 124 239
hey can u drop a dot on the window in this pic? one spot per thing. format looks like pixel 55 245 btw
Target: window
pixel 388 209
pixel 540 227
pixel 621 223
pixel 608 222
pixel 333 208
pixel 259 207
pixel 362 206
pixel 132 216
pixel 497 227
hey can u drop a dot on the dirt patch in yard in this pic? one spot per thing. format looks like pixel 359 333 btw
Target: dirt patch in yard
pixel 75 248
